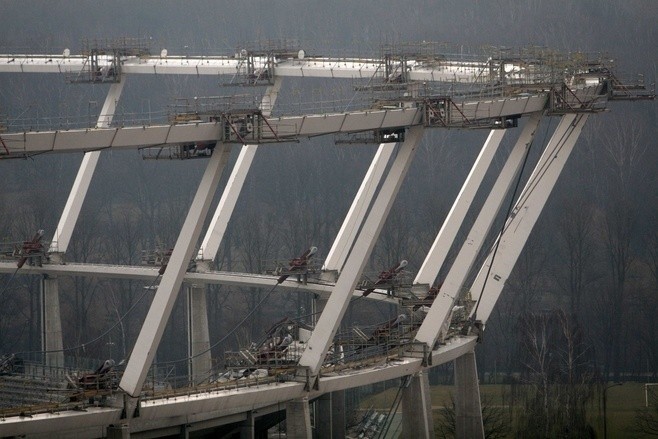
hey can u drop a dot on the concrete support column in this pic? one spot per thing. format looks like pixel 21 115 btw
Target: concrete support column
pixel 323 424
pixel 298 419
pixel 248 427
pixel 219 223
pixel 338 424
pixel 417 408
pixel 330 421
pixel 62 237
pixel 198 334
pixel 494 272
pixel 468 413
pixel 438 317
pixel 51 322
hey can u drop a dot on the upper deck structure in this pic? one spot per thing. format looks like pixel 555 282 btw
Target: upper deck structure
pixel 408 90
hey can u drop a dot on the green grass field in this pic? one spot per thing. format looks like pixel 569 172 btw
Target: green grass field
pixel 622 401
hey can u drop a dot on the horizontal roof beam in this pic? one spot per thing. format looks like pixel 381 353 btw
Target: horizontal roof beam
pixel 147 273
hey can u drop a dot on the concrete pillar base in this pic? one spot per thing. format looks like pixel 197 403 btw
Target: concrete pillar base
pixel 298 419
pixel 248 427
pixel 198 335
pixel 51 322
pixel 417 408
pixel 330 422
pixel 468 412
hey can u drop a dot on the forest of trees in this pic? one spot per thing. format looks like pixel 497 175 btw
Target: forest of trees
pixel 589 272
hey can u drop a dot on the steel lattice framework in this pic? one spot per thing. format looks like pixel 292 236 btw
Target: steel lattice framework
pixel 491 92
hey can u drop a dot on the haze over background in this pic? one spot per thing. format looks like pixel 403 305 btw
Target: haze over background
pixel 593 254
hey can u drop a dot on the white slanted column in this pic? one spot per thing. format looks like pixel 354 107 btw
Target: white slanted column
pixel 163 302
pixel 51 320
pixel 446 236
pixel 347 233
pixel 213 238
pixel 454 281
pixel 199 337
pixel 62 237
pixel 417 408
pixel 525 214
pixel 323 334
pixel 198 342
pixel 298 419
pixel 468 412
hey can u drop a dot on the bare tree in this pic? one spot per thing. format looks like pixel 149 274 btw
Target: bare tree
pixel 557 381
pixel 258 232
pixel 576 230
pixel 622 157
pixel 646 418
pixel 496 420
pixel 79 293
pixel 648 308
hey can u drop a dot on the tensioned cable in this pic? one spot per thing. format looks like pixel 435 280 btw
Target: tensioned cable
pixel 394 408
pixel 531 187
pixel 11 278
pixel 512 203
pixel 532 184
pixel 181 360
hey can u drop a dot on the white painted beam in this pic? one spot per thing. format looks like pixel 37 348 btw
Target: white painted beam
pixel 149 274
pixel 334 310
pixel 309 67
pixel 288 127
pixel 163 302
pixel 446 236
pixel 224 211
pixel 348 230
pixel 62 237
pixel 461 267
pixel 525 214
